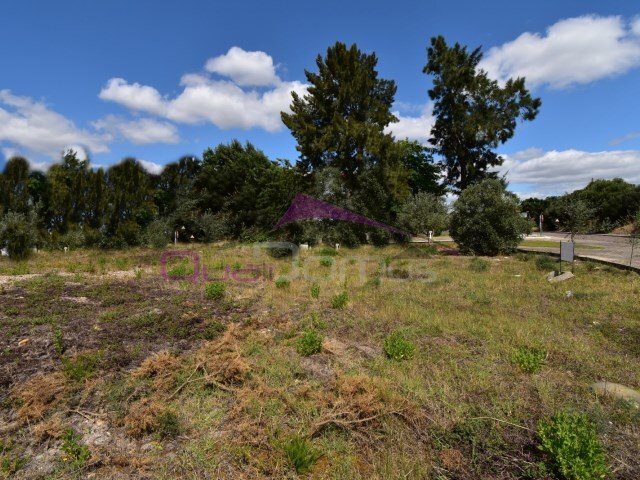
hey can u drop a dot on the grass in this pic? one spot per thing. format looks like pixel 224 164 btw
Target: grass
pixel 556 244
pixel 159 362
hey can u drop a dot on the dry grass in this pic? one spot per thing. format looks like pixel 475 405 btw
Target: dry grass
pixel 460 405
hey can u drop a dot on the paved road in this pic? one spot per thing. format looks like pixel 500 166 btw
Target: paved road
pixel 615 248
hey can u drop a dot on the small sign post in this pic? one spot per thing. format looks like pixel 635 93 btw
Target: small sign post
pixel 566 254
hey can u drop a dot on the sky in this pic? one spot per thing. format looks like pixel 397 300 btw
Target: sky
pixel 157 80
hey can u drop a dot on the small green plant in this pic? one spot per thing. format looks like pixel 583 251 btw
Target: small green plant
pixel 315 290
pixel 82 365
pixel 545 262
pixel 328 252
pixel 340 300
pixel 572 446
pixel 75 455
pixel 213 330
pixel 11 466
pixel 326 261
pixel 236 266
pixel 397 347
pixel 182 269
pixel 316 321
pixel 58 344
pixel 168 425
pixel 301 454
pixel 529 360
pixel 215 290
pixel 282 282
pixel 478 264
pixel 309 343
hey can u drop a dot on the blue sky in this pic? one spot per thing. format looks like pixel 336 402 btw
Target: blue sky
pixel 158 80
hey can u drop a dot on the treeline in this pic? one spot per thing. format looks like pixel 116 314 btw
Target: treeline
pixel 233 192
pixel 600 207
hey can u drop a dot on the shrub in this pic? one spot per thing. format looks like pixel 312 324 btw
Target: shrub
pixel 215 290
pixel 75 454
pixel 17 234
pixel 397 347
pixel 478 264
pixel 328 252
pixel 340 300
pixel 326 261
pixel 486 219
pixel 573 448
pixel 168 425
pixel 529 360
pixel 157 234
pixel 82 366
pixel 545 262
pixel 300 453
pixel 315 290
pixel 423 212
pixel 282 282
pixel 309 343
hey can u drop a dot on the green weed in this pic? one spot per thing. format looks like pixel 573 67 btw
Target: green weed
pixel 529 360
pixel 340 300
pixel 215 290
pixel 397 347
pixel 309 343
pixel 301 454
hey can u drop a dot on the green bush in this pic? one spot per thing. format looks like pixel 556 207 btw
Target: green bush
pixel 397 347
pixel 486 220
pixel 215 290
pixel 315 290
pixel 282 282
pixel 17 235
pixel 157 234
pixel 572 446
pixel 82 365
pixel 328 252
pixel 529 360
pixel 340 300
pixel 478 264
pixel 301 454
pixel 326 261
pixel 545 262
pixel 309 343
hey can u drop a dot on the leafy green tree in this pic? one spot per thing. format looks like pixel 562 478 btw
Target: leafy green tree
pixel 424 173
pixel 576 216
pixel 474 114
pixel 340 121
pixel 424 212
pixel 14 186
pixel 486 219
pixel 613 200
pixel 18 233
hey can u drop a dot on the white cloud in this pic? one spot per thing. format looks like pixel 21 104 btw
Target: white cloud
pixel 151 167
pixel 133 96
pixel 555 172
pixel 413 128
pixel 139 132
pixel 33 126
pixel 220 102
pixel 244 68
pixel 573 51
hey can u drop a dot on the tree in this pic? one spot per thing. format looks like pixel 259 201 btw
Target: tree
pixel 613 200
pixel 486 219
pixel 424 173
pixel 474 114
pixel 575 215
pixel 18 233
pixel 14 186
pixel 340 122
pixel 424 212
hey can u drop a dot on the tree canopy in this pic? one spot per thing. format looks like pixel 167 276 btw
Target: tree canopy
pixel 473 113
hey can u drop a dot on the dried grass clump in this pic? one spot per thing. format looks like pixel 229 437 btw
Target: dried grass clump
pixel 51 428
pixel 221 360
pixel 39 395
pixel 161 367
pixel 143 417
